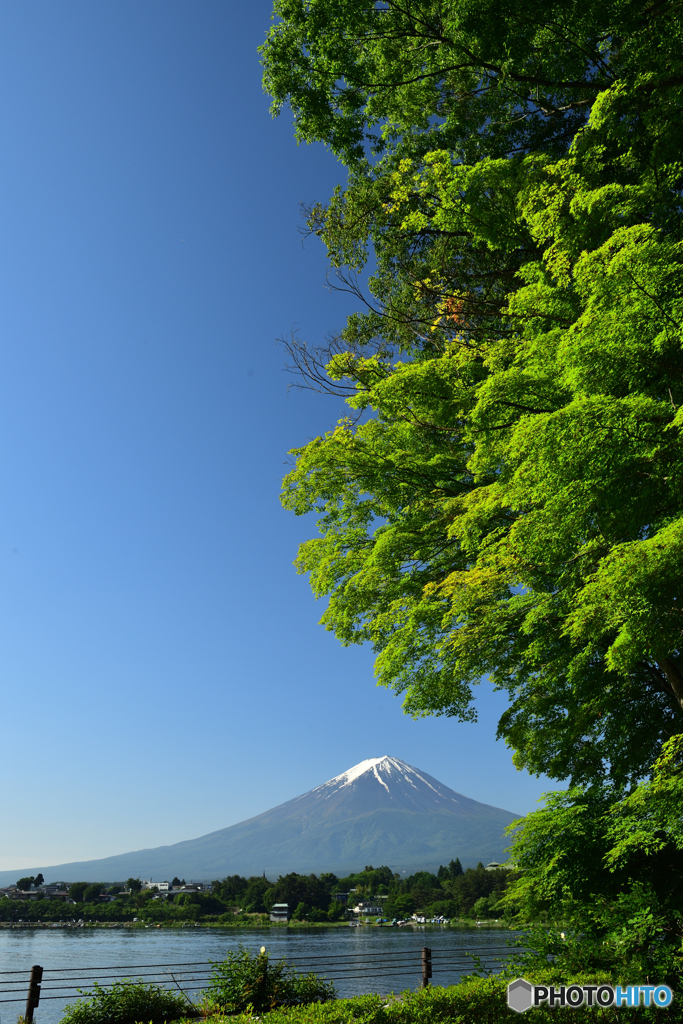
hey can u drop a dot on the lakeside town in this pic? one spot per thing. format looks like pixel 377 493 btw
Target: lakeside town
pixel 373 896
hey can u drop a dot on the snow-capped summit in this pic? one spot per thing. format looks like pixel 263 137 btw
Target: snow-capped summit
pixel 385 781
pixel 385 770
pixel 381 811
pixel 371 764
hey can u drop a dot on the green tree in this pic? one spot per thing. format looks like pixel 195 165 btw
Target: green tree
pixel 134 885
pixel 231 890
pixel 399 905
pixel 336 910
pixel 329 881
pixel 487 907
pixel 368 882
pixel 473 78
pixel 300 912
pixel 258 896
pixel 532 285
pixel 38 880
pixel 604 868
pixel 24 884
pixel 454 868
pixel 77 890
pixel 505 498
pixel 307 890
pixel 92 892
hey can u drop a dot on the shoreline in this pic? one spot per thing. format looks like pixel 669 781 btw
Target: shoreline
pixel 313 926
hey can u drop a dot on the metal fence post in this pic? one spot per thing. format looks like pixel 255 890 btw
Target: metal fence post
pixel 426 965
pixel 33 997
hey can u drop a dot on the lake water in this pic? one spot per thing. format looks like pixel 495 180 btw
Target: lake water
pixel 359 960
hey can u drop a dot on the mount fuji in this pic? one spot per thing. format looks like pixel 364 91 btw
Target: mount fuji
pixel 381 811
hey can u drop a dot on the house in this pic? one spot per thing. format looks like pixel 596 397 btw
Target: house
pixel 161 886
pixel 280 912
pixel 369 908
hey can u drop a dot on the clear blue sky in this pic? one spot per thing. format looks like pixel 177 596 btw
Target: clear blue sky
pixel 162 669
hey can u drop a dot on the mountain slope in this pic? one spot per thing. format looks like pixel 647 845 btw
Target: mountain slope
pixel 382 811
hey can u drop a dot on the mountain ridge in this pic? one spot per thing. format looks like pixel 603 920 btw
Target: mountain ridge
pixel 381 810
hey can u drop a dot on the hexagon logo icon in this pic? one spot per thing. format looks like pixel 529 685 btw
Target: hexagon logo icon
pixel 520 995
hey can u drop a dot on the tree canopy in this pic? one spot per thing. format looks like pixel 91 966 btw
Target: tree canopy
pixel 475 77
pixel 505 497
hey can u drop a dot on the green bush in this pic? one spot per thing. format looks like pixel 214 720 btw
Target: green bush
pixel 473 1001
pixel 244 980
pixel 128 1002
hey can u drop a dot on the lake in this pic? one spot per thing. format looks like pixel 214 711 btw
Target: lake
pixel 359 960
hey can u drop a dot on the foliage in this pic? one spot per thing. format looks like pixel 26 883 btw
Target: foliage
pixel 605 874
pixel 453 871
pixel 251 980
pixel 249 894
pixel 303 892
pixel 92 892
pixel 474 1001
pixel 77 890
pixel 454 896
pixel 300 912
pixel 127 1002
pixel 335 912
pixel 505 499
pixel 459 543
pixel 257 894
pixel 470 77
pixel 368 882
pixel 509 502
pixel 24 884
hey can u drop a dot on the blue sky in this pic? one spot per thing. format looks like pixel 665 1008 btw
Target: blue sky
pixel 163 673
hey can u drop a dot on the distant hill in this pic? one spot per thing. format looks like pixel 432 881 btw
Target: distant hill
pixel 382 811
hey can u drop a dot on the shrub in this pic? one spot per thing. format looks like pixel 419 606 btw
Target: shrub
pixel 127 1002
pixel 474 1001
pixel 244 980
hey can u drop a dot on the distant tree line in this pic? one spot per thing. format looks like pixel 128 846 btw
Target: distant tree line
pixel 450 892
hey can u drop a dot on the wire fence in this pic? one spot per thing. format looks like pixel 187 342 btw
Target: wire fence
pixel 191 977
